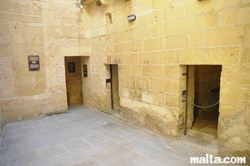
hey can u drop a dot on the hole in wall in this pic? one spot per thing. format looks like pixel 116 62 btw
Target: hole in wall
pixel 115 87
pixel 109 18
pixel 206 93
pixel 112 84
pixel 73 80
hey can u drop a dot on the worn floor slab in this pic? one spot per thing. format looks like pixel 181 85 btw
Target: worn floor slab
pixel 86 137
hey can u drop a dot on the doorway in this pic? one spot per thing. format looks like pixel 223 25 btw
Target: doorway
pixel 73 80
pixel 206 82
pixel 114 89
pixel 115 104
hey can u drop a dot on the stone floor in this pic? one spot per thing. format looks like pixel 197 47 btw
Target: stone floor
pixel 87 137
pixel 207 121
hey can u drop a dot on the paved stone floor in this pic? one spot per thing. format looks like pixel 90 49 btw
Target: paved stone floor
pixel 86 137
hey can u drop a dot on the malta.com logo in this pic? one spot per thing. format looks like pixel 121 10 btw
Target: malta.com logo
pixel 210 159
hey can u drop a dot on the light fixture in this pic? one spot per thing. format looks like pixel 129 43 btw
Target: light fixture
pixel 131 17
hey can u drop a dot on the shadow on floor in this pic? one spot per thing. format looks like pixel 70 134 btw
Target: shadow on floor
pixel 207 121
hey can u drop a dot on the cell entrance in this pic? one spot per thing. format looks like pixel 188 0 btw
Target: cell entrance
pixel 73 80
pixel 203 95
pixel 115 104
pixel 113 87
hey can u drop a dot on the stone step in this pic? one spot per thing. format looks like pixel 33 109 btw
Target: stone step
pixel 114 112
pixel 205 142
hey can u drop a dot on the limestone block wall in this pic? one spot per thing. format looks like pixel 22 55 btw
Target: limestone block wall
pixel 50 29
pixel 99 96
pixel 95 93
pixel 86 83
pixel 149 86
pixel 152 53
pixel 234 124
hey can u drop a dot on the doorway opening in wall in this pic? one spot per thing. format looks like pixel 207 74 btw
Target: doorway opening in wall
pixel 73 79
pixel 114 90
pixel 204 92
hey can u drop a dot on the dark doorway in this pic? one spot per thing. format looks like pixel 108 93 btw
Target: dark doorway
pixel 73 80
pixel 206 92
pixel 115 99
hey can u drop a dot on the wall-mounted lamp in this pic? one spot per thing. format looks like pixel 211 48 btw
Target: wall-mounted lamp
pixel 131 17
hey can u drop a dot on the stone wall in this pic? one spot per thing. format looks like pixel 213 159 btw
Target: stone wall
pixel 152 53
pixel 50 29
pixel 95 93
pixel 234 126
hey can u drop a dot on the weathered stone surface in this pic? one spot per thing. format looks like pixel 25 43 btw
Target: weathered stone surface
pixel 126 114
pixel 153 123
